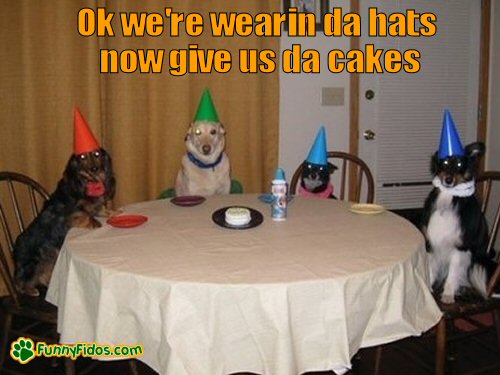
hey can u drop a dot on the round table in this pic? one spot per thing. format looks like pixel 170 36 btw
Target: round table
pixel 281 298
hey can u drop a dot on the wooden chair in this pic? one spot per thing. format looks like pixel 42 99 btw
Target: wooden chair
pixel 356 178
pixel 21 199
pixel 471 312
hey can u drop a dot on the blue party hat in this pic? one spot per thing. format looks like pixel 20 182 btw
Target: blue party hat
pixel 318 153
pixel 449 144
pixel 279 174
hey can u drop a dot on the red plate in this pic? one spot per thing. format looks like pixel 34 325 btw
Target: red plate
pixel 188 200
pixel 126 221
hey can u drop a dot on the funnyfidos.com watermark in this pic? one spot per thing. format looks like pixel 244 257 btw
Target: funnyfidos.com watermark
pixel 25 349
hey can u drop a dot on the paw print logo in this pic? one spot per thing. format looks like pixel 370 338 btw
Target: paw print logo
pixel 22 350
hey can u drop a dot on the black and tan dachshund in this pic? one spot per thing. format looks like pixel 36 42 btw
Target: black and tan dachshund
pixel 87 185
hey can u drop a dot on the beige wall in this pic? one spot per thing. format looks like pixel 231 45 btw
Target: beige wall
pixel 301 112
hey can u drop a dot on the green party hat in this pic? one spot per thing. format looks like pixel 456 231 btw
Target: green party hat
pixel 206 109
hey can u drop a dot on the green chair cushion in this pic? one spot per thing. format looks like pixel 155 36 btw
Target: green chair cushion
pixel 236 188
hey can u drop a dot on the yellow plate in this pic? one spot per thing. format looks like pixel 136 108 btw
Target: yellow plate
pixel 367 208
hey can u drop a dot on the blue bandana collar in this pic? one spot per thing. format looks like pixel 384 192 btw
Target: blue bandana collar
pixel 203 165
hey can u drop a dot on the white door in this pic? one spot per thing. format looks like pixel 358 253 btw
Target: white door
pixel 401 114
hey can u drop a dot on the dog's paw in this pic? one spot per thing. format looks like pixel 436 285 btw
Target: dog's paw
pixel 109 213
pixel 448 298
pixel 93 223
pixel 28 290
pixel 83 220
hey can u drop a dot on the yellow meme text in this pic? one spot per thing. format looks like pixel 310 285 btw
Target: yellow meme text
pixel 192 59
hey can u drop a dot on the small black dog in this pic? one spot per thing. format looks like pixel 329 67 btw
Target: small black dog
pixel 456 231
pixel 82 193
pixel 315 180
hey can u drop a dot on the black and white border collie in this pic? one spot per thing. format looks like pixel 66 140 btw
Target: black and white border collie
pixel 456 231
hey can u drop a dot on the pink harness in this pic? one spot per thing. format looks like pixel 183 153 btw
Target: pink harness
pixel 322 194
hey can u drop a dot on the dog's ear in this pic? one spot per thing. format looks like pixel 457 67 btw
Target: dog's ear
pixel 331 168
pixel 303 169
pixel 72 177
pixel 189 132
pixel 222 129
pixel 71 171
pixel 109 181
pixel 475 150
pixel 434 163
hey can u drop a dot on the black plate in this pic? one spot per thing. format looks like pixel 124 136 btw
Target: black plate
pixel 219 217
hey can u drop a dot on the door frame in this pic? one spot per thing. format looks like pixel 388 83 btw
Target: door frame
pixel 484 69
pixel 354 43
pixel 484 73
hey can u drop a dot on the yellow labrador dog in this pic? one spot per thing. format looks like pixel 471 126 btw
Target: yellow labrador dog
pixel 205 167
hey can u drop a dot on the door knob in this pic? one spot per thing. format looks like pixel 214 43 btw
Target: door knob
pixel 369 135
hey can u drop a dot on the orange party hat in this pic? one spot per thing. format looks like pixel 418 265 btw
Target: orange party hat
pixel 83 139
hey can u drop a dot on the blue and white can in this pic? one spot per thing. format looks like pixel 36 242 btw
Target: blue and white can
pixel 279 205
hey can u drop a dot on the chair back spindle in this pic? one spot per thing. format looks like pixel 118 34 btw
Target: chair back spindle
pixel 7 276
pixel 21 200
pixel 486 181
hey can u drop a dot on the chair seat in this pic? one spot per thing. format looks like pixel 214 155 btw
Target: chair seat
pixel 463 309
pixel 31 307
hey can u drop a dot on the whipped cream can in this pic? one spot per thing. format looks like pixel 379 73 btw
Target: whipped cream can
pixel 279 192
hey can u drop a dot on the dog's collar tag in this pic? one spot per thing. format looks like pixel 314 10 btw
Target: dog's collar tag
pixel 203 165
pixel 465 189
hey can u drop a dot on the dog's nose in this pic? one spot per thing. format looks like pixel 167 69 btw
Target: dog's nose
pixel 94 169
pixel 206 149
pixel 448 180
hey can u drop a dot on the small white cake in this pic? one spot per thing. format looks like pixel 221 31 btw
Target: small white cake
pixel 237 216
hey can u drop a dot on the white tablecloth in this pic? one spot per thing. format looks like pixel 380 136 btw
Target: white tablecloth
pixel 282 298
